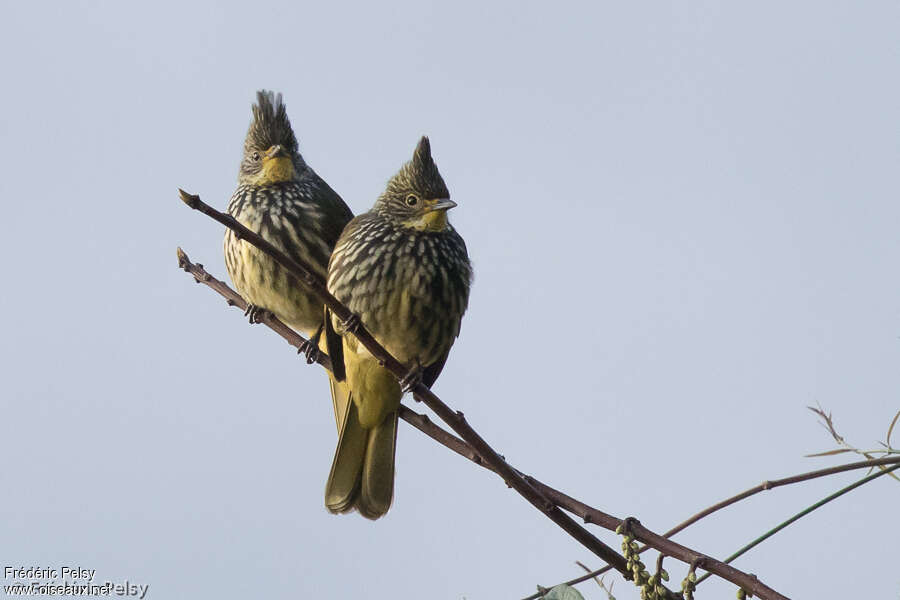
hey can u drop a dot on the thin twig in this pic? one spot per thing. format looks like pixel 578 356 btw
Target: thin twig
pixel 599 580
pixel 232 298
pixel 769 485
pixel 887 439
pixel 803 513
pixel 424 424
pixel 664 545
pixel 764 486
pixel 827 421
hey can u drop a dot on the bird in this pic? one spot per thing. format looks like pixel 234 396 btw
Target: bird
pixel 282 199
pixel 404 273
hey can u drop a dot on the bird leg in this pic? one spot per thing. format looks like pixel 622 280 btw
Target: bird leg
pixel 411 379
pixel 257 314
pixel 310 347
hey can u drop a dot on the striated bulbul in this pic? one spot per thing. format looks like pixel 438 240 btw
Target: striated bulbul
pixel 281 198
pixel 404 271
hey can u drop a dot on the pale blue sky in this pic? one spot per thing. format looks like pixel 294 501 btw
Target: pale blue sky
pixel 693 205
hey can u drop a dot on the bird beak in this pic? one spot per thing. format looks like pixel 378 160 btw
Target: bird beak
pixel 437 204
pixel 434 214
pixel 276 151
pixel 277 166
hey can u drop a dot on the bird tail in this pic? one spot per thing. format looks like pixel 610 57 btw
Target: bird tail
pixel 377 490
pixel 340 398
pixel 362 474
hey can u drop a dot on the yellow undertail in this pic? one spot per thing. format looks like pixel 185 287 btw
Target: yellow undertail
pixel 362 473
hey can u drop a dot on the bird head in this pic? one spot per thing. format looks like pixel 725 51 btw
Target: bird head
pixel 270 148
pixel 417 196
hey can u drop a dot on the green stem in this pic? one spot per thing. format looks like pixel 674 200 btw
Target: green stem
pixel 803 513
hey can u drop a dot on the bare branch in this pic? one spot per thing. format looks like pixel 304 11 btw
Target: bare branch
pixel 419 421
pixel 232 298
pixel 455 419
pixel 590 514
pixel 803 513
pixel 544 498
pixel 769 485
pixel 764 486
pixel 599 580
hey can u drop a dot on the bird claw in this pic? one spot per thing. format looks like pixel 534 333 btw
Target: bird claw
pixel 256 314
pixel 352 324
pixel 411 379
pixel 310 349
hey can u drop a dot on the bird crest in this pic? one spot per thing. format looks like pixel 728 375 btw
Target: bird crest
pixel 270 125
pixel 422 154
pixel 419 175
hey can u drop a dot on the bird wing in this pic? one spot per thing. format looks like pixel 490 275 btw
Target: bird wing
pixel 431 372
pixel 335 348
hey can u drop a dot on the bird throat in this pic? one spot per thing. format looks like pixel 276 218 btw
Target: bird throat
pixel 435 220
pixel 275 170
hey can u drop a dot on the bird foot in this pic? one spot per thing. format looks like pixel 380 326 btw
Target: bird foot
pixel 352 324
pixel 411 379
pixel 310 347
pixel 256 314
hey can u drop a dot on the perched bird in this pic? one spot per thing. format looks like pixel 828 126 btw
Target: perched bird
pixel 281 198
pixel 404 271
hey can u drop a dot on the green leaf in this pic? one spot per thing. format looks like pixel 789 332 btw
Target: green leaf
pixel 891 429
pixel 829 452
pixel 563 592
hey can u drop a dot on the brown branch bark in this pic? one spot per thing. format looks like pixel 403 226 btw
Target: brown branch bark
pixel 769 485
pixel 417 420
pixel 544 498
pixel 662 544
pixel 232 298
pixel 764 486
pixel 456 420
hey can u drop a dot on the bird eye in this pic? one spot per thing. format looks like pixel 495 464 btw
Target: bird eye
pixel 412 200
pixel 256 156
